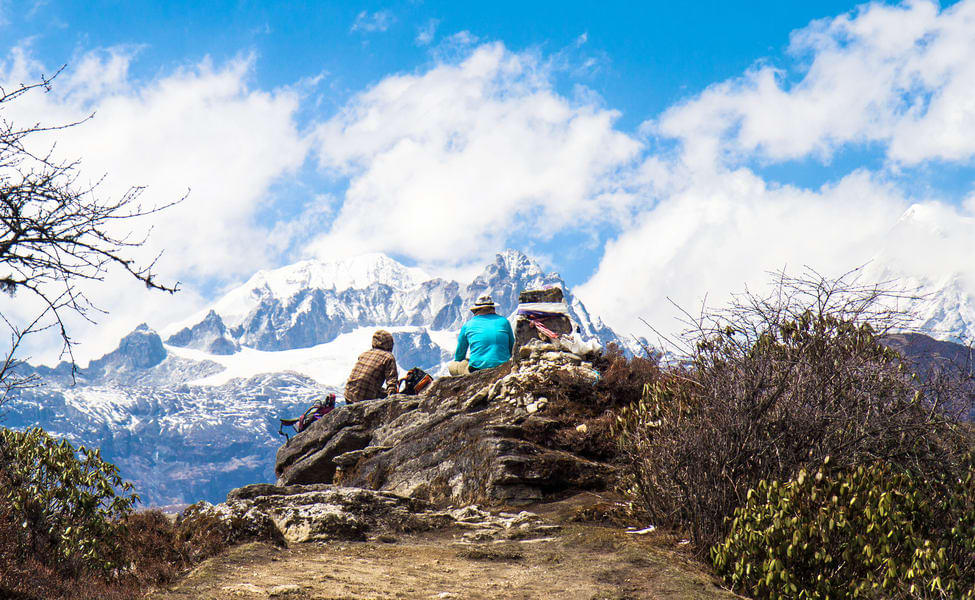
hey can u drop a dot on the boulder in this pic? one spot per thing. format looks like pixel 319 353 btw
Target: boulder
pixel 465 440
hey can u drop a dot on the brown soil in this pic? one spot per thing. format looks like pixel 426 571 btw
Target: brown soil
pixel 585 562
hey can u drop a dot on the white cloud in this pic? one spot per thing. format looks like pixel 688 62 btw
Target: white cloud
pixel 455 47
pixel 425 33
pixel 898 75
pixel 451 164
pixel 724 231
pixel 199 128
pixel 36 6
pixel 381 20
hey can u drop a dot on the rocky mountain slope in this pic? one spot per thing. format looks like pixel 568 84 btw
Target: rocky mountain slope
pixel 193 412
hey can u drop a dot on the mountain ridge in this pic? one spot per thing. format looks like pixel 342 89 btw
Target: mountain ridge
pixel 301 305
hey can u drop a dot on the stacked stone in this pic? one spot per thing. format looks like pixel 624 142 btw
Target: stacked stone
pixel 546 356
pixel 524 332
pixel 538 361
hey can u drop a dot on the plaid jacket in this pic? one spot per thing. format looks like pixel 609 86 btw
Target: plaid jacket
pixel 374 368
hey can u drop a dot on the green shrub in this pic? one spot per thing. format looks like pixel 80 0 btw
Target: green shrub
pixel 870 532
pixel 65 502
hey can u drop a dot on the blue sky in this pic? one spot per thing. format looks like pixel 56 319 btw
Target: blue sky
pixel 644 150
pixel 651 54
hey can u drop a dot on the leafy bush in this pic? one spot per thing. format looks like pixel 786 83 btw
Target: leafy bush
pixel 65 502
pixel 773 385
pixel 870 532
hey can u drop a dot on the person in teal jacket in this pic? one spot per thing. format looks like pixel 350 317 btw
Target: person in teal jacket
pixel 487 337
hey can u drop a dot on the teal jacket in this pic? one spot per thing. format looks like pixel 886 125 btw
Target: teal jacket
pixel 489 338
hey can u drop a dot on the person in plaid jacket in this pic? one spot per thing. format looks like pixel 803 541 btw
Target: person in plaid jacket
pixel 374 368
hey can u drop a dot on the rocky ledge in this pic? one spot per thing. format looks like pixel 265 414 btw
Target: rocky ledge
pixel 486 438
pixel 318 513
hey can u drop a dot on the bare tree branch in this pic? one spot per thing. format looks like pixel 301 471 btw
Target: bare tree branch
pixel 55 233
pixel 776 382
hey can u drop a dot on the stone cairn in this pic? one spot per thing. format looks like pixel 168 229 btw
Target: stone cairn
pixel 539 357
pixel 551 300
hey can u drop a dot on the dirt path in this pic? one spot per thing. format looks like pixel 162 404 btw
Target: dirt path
pixel 585 562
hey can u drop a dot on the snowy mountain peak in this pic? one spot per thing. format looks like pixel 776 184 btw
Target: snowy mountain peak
pixel 512 264
pixel 359 272
pixel 941 277
pixel 140 349
pixel 312 302
pixel 920 220
pixel 944 310
pixel 355 273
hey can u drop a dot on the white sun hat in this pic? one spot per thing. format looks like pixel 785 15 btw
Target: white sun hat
pixel 483 302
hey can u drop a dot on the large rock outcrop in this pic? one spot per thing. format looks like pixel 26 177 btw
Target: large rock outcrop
pixel 470 439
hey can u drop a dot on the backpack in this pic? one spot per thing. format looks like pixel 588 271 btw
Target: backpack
pixel 415 381
pixel 315 412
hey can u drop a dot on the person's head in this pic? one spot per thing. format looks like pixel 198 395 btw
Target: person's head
pixel 484 306
pixel 382 340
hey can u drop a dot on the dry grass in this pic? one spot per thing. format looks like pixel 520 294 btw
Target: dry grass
pixel 575 401
pixel 157 550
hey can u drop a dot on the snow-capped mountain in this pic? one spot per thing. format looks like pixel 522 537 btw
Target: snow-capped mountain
pixel 939 284
pixel 943 309
pixel 192 413
pixel 312 303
